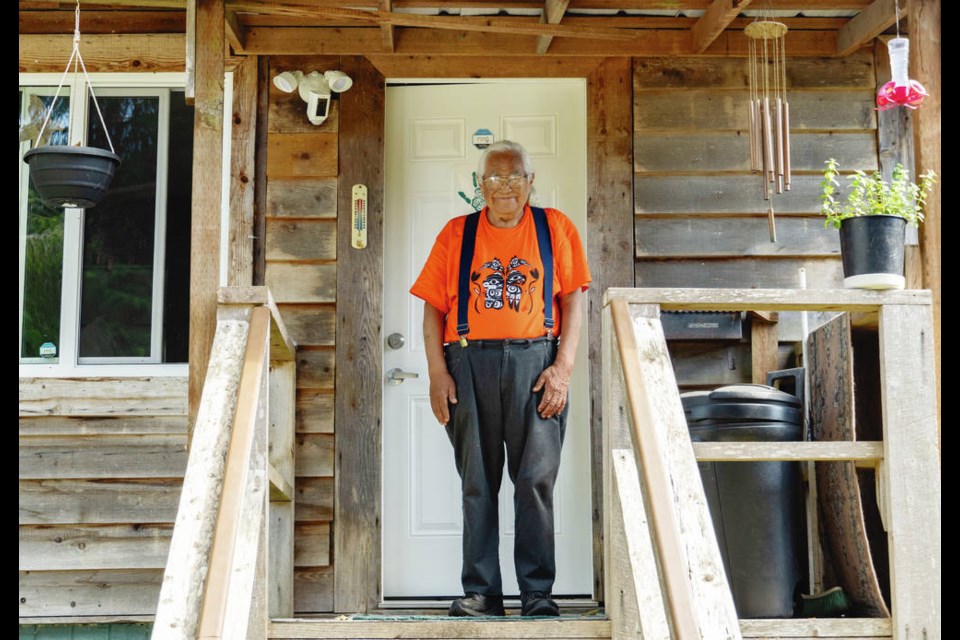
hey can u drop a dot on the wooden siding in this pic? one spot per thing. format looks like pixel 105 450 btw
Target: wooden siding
pixel 101 464
pixel 300 247
pixel 700 219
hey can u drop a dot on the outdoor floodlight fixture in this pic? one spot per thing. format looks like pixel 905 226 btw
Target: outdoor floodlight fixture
pixel 316 89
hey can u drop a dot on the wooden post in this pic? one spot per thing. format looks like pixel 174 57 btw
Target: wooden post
pixel 205 219
pixel 924 20
pixel 358 404
pixel 260 172
pixel 609 240
pixel 763 345
pixel 283 382
pixel 910 483
pixel 243 140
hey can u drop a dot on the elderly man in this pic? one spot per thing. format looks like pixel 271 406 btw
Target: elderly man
pixel 497 287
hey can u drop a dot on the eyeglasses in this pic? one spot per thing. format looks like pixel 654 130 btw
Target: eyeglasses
pixel 497 182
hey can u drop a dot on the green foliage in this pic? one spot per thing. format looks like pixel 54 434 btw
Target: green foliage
pixel 871 195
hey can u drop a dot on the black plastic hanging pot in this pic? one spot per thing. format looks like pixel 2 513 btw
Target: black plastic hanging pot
pixel 68 176
pixel 872 252
pixel 74 175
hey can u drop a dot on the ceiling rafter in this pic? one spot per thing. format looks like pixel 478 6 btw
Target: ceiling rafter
pixel 712 23
pixel 552 13
pixel 387 30
pixel 234 31
pixel 867 25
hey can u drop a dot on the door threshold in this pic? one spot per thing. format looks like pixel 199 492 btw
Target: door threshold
pixel 570 602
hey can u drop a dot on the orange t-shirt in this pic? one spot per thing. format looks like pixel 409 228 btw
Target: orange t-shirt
pixel 506 288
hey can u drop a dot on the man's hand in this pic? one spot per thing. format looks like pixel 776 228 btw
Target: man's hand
pixel 554 380
pixel 442 390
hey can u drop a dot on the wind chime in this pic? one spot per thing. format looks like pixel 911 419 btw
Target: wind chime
pixel 769 110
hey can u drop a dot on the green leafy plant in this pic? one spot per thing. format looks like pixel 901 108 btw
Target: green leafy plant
pixel 871 195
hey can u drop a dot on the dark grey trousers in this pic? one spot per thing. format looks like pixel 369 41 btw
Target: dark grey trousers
pixel 496 411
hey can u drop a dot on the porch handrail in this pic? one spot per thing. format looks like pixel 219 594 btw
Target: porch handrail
pixel 644 431
pixel 215 581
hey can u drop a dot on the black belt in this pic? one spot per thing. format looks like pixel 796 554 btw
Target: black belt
pixel 509 343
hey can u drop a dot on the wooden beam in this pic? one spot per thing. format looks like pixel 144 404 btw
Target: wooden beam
pixel 103 397
pixel 768 299
pixel 386 30
pixel 190 51
pixel 525 66
pixel 112 53
pixel 478 41
pixel 96 21
pixel 609 237
pixel 552 13
pixel 673 5
pixel 243 126
pixel 850 628
pixel 763 346
pixel 260 172
pixel 924 18
pixel 866 26
pixel 359 315
pixel 235 32
pixel 205 215
pixel 866 453
pixel 712 23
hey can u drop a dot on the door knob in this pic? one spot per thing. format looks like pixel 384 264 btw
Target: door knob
pixel 396 376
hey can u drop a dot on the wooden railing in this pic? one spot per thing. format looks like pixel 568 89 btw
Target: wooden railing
pixel 230 565
pixel 662 565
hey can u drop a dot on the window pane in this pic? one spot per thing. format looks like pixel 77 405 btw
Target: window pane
pixel 117 288
pixel 176 299
pixel 42 245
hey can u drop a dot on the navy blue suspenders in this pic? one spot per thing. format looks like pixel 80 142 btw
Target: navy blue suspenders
pixel 466 260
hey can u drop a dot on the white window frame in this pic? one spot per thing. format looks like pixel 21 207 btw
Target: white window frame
pixel 69 363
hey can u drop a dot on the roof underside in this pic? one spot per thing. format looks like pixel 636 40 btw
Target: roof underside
pixel 480 27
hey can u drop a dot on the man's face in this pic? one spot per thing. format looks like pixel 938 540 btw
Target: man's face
pixel 506 200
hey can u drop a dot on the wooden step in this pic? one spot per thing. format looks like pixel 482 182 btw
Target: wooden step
pixel 443 628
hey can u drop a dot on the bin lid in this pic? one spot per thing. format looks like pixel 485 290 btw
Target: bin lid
pixel 742 402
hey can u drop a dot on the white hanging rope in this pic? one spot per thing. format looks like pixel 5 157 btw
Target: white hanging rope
pixel 75 58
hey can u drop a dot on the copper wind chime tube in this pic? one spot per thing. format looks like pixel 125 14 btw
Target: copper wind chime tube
pixel 769 112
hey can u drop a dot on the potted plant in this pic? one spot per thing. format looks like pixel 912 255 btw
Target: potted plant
pixel 872 220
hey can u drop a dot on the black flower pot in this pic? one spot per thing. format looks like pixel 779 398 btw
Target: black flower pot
pixel 872 251
pixel 67 176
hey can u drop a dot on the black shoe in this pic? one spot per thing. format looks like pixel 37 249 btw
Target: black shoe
pixel 477 604
pixel 536 603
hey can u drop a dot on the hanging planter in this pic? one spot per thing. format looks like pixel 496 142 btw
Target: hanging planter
pixel 72 175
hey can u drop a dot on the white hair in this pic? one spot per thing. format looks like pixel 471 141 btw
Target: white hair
pixel 506 146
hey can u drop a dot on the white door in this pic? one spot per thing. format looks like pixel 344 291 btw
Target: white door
pixel 430 162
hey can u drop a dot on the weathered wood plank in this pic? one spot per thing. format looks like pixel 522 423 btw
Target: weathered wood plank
pixel 731 194
pixel 609 240
pixel 314 500
pixel 315 410
pixel 709 236
pixel 705 109
pixel 288 112
pixel 90 547
pixel 442 629
pixel 98 501
pixel 312 591
pixel 260 166
pixel 242 169
pixel 699 599
pixel 702 364
pixel 693 299
pixel 282 411
pixel 302 198
pixel 910 478
pixel 94 21
pixel 866 26
pixel 714 21
pixel 301 240
pixel 315 369
pixel 163 456
pixel 206 192
pixel 925 17
pixel 518 66
pixel 134 425
pixel 763 346
pixel 854 628
pixel 89 593
pixel 310 324
pixel 314 455
pixel 855 71
pixel 280 559
pixel 103 397
pixel 730 151
pixel 865 453
pixel 114 53
pixel 733 273
pixel 312 546
pixel 292 282
pixel 359 347
pixel 300 155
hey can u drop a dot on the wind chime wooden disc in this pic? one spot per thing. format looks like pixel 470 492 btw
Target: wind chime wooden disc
pixel 765 30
